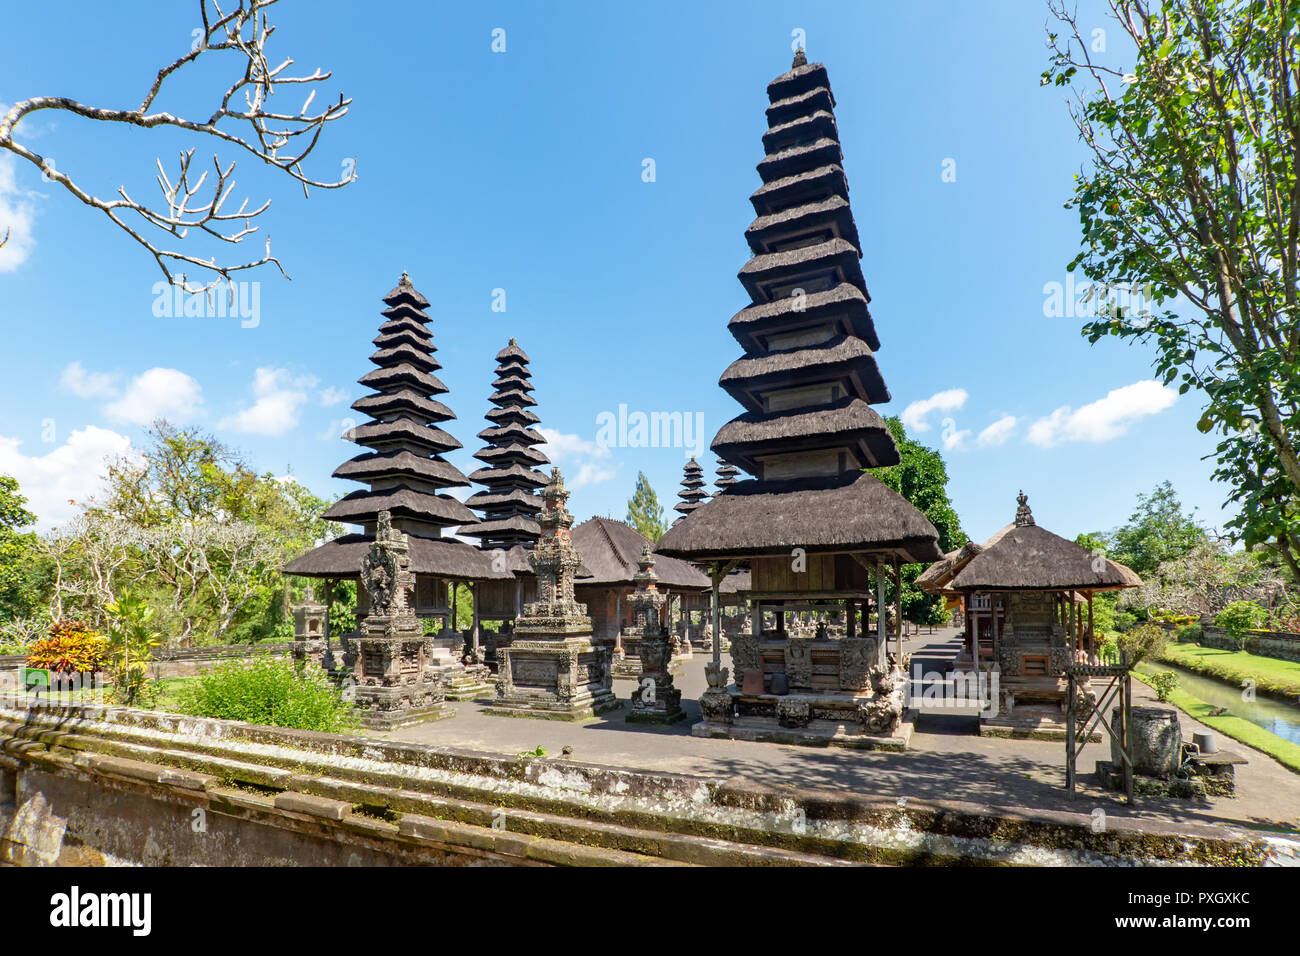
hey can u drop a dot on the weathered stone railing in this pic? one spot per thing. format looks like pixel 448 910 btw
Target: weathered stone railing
pixel 95 785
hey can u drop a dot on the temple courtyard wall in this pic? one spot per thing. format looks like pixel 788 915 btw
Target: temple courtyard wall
pixel 112 785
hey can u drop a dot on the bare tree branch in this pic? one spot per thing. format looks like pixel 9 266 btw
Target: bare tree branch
pixel 281 139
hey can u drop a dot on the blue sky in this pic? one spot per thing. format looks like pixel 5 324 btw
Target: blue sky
pixel 522 171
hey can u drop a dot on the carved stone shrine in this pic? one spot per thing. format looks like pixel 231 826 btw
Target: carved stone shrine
pixel 552 668
pixel 655 700
pixel 395 678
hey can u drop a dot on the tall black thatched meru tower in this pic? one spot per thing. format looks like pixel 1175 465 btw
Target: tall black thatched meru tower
pixel 510 504
pixel 812 525
pixel 404 466
pixel 808 378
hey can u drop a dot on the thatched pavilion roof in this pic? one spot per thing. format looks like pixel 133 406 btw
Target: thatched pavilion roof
pixel 610 550
pixel 841 513
pixel 443 557
pixel 1024 557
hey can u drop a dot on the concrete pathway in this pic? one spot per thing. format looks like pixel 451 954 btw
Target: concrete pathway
pixel 948 760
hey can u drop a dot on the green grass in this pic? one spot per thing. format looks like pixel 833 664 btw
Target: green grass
pixel 169 689
pixel 1272 676
pixel 1238 728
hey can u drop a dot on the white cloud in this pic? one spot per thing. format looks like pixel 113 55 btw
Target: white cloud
pixel 158 393
pixel 587 462
pixel 1105 419
pixel 85 384
pixel 914 415
pixel 17 215
pixel 331 396
pixel 279 401
pixel 71 472
pixel 952 438
pixel 997 433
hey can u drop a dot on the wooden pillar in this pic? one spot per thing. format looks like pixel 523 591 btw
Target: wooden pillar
pixel 898 605
pixel 850 627
pixel 1078 623
pixel 716 613
pixel 1092 637
pixel 473 627
pixel 618 621
pixel 995 604
pixel 881 634
pixel 328 602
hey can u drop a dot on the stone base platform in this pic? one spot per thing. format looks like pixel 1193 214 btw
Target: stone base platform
pixel 650 716
pixel 818 733
pixel 551 710
pixel 471 683
pixel 1029 724
pixel 393 719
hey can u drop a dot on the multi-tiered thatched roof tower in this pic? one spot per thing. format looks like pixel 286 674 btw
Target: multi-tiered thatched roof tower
pixel 728 475
pixel 404 465
pixel 510 504
pixel 692 493
pixel 812 524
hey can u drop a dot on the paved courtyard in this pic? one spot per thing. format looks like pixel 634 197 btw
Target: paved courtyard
pixel 947 760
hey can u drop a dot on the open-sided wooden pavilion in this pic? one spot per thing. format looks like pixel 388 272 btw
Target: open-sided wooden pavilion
pixel 1027 600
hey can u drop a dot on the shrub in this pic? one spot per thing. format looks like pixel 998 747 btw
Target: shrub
pixel 268 690
pixel 132 640
pixel 1107 649
pixel 1125 620
pixel 1142 642
pixel 1164 683
pixel 1239 618
pixel 70 648
pixel 1190 634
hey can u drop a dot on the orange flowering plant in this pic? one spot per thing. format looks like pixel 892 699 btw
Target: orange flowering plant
pixel 71 647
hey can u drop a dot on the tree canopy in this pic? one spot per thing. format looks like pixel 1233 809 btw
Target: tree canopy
pixel 19 575
pixel 1157 531
pixel 922 478
pixel 1191 198
pixel 186 525
pixel 644 511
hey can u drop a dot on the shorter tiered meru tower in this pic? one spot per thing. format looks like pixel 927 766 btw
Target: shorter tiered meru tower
pixel 692 492
pixel 509 503
pixel 404 466
pixel 407 480
pixel 813 525
pixel 728 475
pixel 552 668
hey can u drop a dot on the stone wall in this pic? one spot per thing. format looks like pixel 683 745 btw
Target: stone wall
pixel 104 786
pixel 1277 644
pixel 187 661
pixel 1265 643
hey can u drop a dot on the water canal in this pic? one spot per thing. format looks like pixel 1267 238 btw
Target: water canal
pixel 1275 716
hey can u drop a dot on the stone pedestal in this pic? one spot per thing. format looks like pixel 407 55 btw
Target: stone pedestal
pixel 1155 740
pixel 655 700
pixel 393 675
pixel 552 669
pixel 309 629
